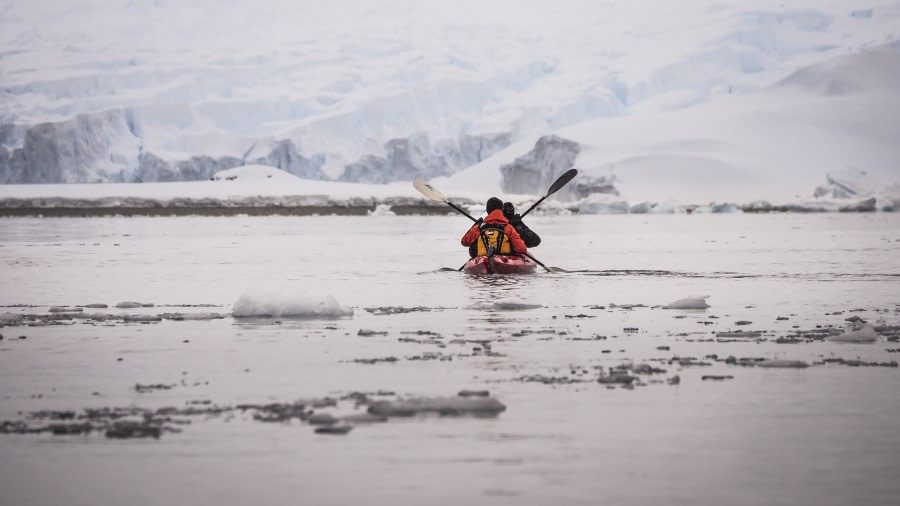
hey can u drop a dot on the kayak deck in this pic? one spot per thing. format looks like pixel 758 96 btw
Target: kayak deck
pixel 502 264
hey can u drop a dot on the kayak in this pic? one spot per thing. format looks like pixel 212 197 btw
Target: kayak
pixel 502 264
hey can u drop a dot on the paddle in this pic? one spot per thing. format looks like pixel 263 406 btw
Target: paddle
pixel 555 187
pixel 431 193
pixel 554 269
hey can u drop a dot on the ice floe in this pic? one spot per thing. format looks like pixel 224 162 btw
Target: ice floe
pixel 865 334
pixel 507 304
pixel 698 302
pixel 300 305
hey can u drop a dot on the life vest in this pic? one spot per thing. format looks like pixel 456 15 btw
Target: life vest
pixel 492 240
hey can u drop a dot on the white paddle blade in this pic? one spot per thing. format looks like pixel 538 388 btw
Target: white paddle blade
pixel 428 190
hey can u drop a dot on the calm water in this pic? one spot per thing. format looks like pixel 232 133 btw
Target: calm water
pixel 826 434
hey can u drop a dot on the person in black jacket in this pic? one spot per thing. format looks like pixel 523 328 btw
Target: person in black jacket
pixel 528 236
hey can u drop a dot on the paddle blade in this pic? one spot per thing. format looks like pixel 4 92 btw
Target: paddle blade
pixel 429 191
pixel 562 181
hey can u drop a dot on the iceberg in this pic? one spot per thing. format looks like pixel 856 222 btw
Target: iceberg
pixel 864 334
pixel 696 302
pixel 264 303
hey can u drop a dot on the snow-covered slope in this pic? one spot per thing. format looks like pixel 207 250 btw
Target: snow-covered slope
pixel 155 90
pixel 832 124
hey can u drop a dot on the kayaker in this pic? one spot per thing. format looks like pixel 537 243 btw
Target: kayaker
pixel 531 239
pixel 493 234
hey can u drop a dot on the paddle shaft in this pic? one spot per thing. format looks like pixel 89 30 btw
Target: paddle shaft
pixel 555 187
pixel 529 255
pixel 467 215
pixel 533 206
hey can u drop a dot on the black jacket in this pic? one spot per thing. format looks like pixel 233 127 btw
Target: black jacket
pixel 531 239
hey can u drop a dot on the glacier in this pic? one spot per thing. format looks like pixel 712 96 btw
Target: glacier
pixel 149 91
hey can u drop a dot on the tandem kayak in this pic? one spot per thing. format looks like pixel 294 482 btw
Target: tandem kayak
pixel 502 264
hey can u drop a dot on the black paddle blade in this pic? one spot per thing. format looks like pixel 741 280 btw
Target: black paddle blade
pixel 562 181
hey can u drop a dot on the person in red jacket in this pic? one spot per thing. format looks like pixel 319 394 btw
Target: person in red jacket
pixel 493 235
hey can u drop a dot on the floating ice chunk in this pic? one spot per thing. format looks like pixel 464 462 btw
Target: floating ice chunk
pixel 641 208
pixel 689 303
pixel 548 208
pixel 203 316
pixel 725 208
pixel 382 210
pixel 131 305
pixel 10 318
pixel 625 306
pixel 740 334
pixel 866 334
pixel 507 304
pixel 65 309
pixel 759 206
pixel 301 305
pixel 601 203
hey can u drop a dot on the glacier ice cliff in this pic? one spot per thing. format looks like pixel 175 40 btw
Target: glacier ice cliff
pixel 105 147
pixel 549 159
pixel 417 156
pixel 85 149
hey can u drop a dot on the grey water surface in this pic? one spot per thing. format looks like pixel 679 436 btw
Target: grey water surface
pixel 779 286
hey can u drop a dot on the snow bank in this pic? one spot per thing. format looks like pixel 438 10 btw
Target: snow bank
pixel 689 303
pixel 285 304
pixel 382 210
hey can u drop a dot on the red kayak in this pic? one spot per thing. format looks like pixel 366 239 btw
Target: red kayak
pixel 502 264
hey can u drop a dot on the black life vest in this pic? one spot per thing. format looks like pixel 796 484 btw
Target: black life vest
pixel 492 240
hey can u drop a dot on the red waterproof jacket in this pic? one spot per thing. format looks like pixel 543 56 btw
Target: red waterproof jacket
pixel 496 218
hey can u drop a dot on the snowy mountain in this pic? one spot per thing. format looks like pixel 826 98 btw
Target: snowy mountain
pixel 749 99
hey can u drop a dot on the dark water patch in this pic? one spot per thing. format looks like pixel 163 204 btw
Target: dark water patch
pixel 550 380
pixel 369 333
pixel 859 363
pixel 592 338
pixel 380 360
pixel 810 276
pixel 782 364
pixel 142 389
pixel 65 317
pixel 477 351
pixel 338 430
pixel 528 332
pixel 429 340
pixel 392 310
pixel 321 414
pixel 660 273
pixel 482 406
pixel 626 375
